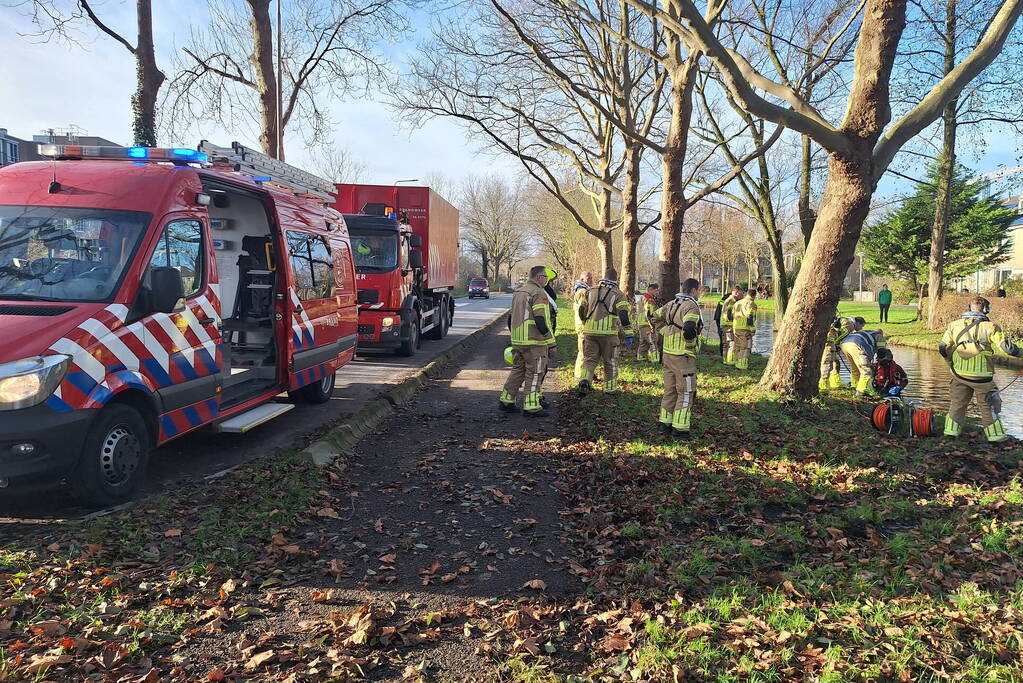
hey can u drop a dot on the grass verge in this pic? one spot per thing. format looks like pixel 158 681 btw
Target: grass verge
pixel 787 541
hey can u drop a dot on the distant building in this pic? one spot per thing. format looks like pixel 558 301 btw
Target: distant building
pixel 10 148
pixel 14 149
pixel 989 278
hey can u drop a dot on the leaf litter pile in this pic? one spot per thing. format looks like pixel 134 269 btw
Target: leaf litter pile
pixel 785 542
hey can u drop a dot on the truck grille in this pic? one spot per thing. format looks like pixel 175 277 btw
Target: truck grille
pixel 368 296
pixel 365 329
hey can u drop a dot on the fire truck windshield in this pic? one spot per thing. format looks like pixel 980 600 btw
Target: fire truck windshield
pixel 375 251
pixel 65 254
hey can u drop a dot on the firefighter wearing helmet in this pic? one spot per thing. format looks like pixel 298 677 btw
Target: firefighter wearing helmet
pixel 604 313
pixel 680 325
pixel 532 337
pixel 968 345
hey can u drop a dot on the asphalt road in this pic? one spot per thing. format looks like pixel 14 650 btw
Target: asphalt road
pixel 204 453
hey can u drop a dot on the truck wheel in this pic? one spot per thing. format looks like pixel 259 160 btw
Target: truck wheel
pixel 409 346
pixel 441 328
pixel 317 392
pixel 113 460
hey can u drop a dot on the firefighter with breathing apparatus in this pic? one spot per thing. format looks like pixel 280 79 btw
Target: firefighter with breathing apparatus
pixel 680 324
pixel 832 358
pixel 647 346
pixel 604 312
pixel 723 318
pixel 744 324
pixel 968 345
pixel 532 337
pixel 582 285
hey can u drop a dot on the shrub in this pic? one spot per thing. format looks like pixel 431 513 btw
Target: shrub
pixel 1013 288
pixel 1006 312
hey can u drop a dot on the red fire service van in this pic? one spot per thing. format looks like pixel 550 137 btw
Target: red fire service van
pixel 145 293
pixel 405 243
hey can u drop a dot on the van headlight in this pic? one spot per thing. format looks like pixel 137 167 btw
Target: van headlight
pixel 30 381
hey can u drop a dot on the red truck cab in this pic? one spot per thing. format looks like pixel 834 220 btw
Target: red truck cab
pixel 146 293
pixel 405 244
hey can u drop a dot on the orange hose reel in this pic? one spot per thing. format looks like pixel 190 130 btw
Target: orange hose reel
pixel 920 421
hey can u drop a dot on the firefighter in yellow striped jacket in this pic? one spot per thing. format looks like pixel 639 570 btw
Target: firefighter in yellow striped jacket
pixel 968 345
pixel 531 336
pixel 582 285
pixel 680 324
pixel 744 323
pixel 647 346
pixel 831 360
pixel 727 336
pixel 604 313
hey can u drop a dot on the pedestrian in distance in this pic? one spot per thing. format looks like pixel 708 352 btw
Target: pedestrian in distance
pixel 968 345
pixel 531 338
pixel 1001 292
pixel 582 285
pixel 680 324
pixel 884 302
pixel 744 324
pixel 604 313
pixel 647 346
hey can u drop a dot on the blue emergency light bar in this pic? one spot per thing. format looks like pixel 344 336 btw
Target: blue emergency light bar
pixel 110 152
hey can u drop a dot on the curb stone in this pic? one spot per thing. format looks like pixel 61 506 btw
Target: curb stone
pixel 341 440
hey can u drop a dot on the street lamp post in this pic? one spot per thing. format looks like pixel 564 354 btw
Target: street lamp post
pixel 410 180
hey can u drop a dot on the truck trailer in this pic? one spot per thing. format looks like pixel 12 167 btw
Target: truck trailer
pixel 405 244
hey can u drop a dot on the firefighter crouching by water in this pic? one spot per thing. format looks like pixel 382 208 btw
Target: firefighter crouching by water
pixel 531 337
pixel 744 323
pixel 648 345
pixel 723 318
pixel 604 312
pixel 859 348
pixel 831 361
pixel 680 325
pixel 968 345
pixel 582 285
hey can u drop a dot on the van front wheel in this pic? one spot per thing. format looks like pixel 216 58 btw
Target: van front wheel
pixel 114 457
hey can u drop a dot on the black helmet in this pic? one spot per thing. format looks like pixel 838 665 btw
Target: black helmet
pixel 884 355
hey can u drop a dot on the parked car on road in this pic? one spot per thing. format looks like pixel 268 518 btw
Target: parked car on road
pixel 479 287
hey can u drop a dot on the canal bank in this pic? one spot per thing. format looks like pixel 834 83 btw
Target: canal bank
pixel 928 372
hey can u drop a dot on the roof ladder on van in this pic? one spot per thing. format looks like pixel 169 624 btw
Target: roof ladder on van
pixel 265 168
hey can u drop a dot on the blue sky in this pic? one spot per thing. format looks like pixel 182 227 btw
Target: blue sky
pixel 53 85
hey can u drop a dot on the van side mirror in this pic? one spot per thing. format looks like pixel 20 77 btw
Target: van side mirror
pixel 415 259
pixel 415 241
pixel 165 289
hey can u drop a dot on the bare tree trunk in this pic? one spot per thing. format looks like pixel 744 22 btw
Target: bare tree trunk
pixel 605 244
pixel 807 216
pixel 779 276
pixel 673 201
pixel 947 163
pixel 262 58
pixel 606 250
pixel 630 217
pixel 150 79
pixel 794 365
pixel 485 262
